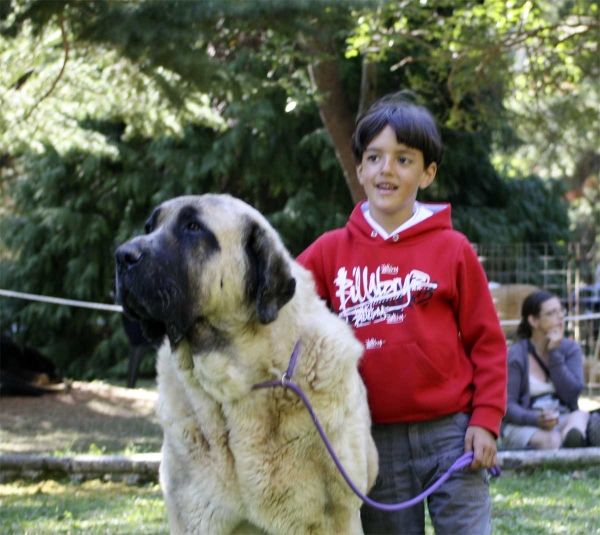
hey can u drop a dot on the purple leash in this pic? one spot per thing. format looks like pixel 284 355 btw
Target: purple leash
pixel 462 462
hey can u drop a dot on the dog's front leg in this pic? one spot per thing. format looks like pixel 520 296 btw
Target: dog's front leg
pixel 183 357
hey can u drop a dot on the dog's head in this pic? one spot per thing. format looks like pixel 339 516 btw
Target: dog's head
pixel 203 258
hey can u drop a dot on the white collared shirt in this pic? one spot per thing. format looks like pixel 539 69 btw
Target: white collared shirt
pixel 420 213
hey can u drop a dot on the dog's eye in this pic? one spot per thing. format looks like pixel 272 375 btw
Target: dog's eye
pixel 193 226
pixel 148 228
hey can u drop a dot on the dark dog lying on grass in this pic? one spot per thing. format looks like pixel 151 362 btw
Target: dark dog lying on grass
pixel 25 371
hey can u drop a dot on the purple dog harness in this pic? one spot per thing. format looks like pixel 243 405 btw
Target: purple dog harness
pixel 285 381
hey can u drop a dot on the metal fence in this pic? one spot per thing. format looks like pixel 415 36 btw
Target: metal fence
pixel 562 269
pixel 559 268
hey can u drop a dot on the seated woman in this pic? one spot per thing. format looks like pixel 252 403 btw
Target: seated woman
pixel 545 379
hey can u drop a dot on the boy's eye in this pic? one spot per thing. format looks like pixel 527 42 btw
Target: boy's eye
pixel 372 158
pixel 403 159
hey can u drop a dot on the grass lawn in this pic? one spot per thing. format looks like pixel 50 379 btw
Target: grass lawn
pixel 101 418
pixel 542 502
pixel 90 508
pixel 547 502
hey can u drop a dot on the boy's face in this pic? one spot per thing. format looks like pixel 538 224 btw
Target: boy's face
pixel 392 174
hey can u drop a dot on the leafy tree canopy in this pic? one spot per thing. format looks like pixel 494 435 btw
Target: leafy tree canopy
pixel 108 108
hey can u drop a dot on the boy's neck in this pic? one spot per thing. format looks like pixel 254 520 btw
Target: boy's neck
pixel 391 223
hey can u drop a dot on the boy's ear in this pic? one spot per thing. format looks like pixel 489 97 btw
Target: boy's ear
pixel 359 172
pixel 428 175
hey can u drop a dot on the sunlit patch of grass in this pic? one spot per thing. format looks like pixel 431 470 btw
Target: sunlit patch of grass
pixel 92 507
pixel 547 501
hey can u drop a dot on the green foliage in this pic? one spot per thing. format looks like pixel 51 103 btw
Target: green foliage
pixel 529 210
pixel 108 108
pixel 73 210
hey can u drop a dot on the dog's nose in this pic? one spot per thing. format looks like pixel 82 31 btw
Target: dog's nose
pixel 128 255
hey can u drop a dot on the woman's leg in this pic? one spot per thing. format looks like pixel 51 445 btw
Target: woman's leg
pixel 523 436
pixel 546 440
pixel 575 420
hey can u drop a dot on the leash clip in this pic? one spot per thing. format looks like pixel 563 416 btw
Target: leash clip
pixel 283 379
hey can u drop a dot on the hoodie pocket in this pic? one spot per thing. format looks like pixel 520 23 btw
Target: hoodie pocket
pixel 404 384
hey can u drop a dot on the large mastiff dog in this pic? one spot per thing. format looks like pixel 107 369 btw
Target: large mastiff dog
pixel 213 275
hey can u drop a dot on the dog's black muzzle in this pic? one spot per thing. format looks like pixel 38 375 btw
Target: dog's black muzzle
pixel 151 287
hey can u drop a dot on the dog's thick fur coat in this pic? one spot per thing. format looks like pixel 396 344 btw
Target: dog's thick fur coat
pixel 214 276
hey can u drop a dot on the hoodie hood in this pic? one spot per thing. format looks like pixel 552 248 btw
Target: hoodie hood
pixel 361 230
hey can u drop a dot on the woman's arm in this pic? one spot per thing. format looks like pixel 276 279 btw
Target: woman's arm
pixel 517 409
pixel 566 372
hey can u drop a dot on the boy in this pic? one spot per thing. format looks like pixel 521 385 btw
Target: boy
pixel 435 355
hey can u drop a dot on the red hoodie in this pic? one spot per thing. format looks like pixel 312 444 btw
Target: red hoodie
pixel 422 308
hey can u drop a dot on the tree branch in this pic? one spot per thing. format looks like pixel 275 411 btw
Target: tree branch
pixel 61 23
pixel 368 84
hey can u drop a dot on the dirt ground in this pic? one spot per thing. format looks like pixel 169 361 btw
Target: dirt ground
pixel 97 417
pixel 90 417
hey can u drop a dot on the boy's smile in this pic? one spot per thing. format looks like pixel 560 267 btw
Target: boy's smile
pixel 391 174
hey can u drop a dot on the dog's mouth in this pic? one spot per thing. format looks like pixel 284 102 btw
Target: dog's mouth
pixel 152 328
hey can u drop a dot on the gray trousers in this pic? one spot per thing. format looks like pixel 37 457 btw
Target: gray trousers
pixel 411 458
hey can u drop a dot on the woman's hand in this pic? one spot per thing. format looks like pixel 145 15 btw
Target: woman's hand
pixel 547 420
pixel 554 337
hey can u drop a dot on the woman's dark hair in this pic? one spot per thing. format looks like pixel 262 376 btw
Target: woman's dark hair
pixel 531 307
pixel 414 125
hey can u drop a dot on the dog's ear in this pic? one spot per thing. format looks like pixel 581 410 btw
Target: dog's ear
pixel 269 281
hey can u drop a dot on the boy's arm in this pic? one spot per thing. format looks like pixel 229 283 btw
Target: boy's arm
pixel 483 340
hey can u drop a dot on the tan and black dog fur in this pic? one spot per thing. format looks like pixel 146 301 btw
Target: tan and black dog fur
pixel 213 275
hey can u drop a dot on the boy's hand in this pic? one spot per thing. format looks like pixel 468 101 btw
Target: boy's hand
pixel 483 445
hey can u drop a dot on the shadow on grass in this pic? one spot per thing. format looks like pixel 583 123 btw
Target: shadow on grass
pixel 92 417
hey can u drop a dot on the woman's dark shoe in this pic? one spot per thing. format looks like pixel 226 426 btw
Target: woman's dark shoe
pixel 574 439
pixel 593 429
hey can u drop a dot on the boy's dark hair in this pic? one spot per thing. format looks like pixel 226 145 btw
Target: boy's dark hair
pixel 531 307
pixel 414 125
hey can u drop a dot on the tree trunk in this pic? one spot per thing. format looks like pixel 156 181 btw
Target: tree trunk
pixel 338 119
pixel 368 85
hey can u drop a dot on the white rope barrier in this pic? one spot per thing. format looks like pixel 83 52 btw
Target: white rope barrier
pixel 117 308
pixel 58 301
pixel 594 316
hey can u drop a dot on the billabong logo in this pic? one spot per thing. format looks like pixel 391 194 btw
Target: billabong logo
pixel 367 298
pixel 373 343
